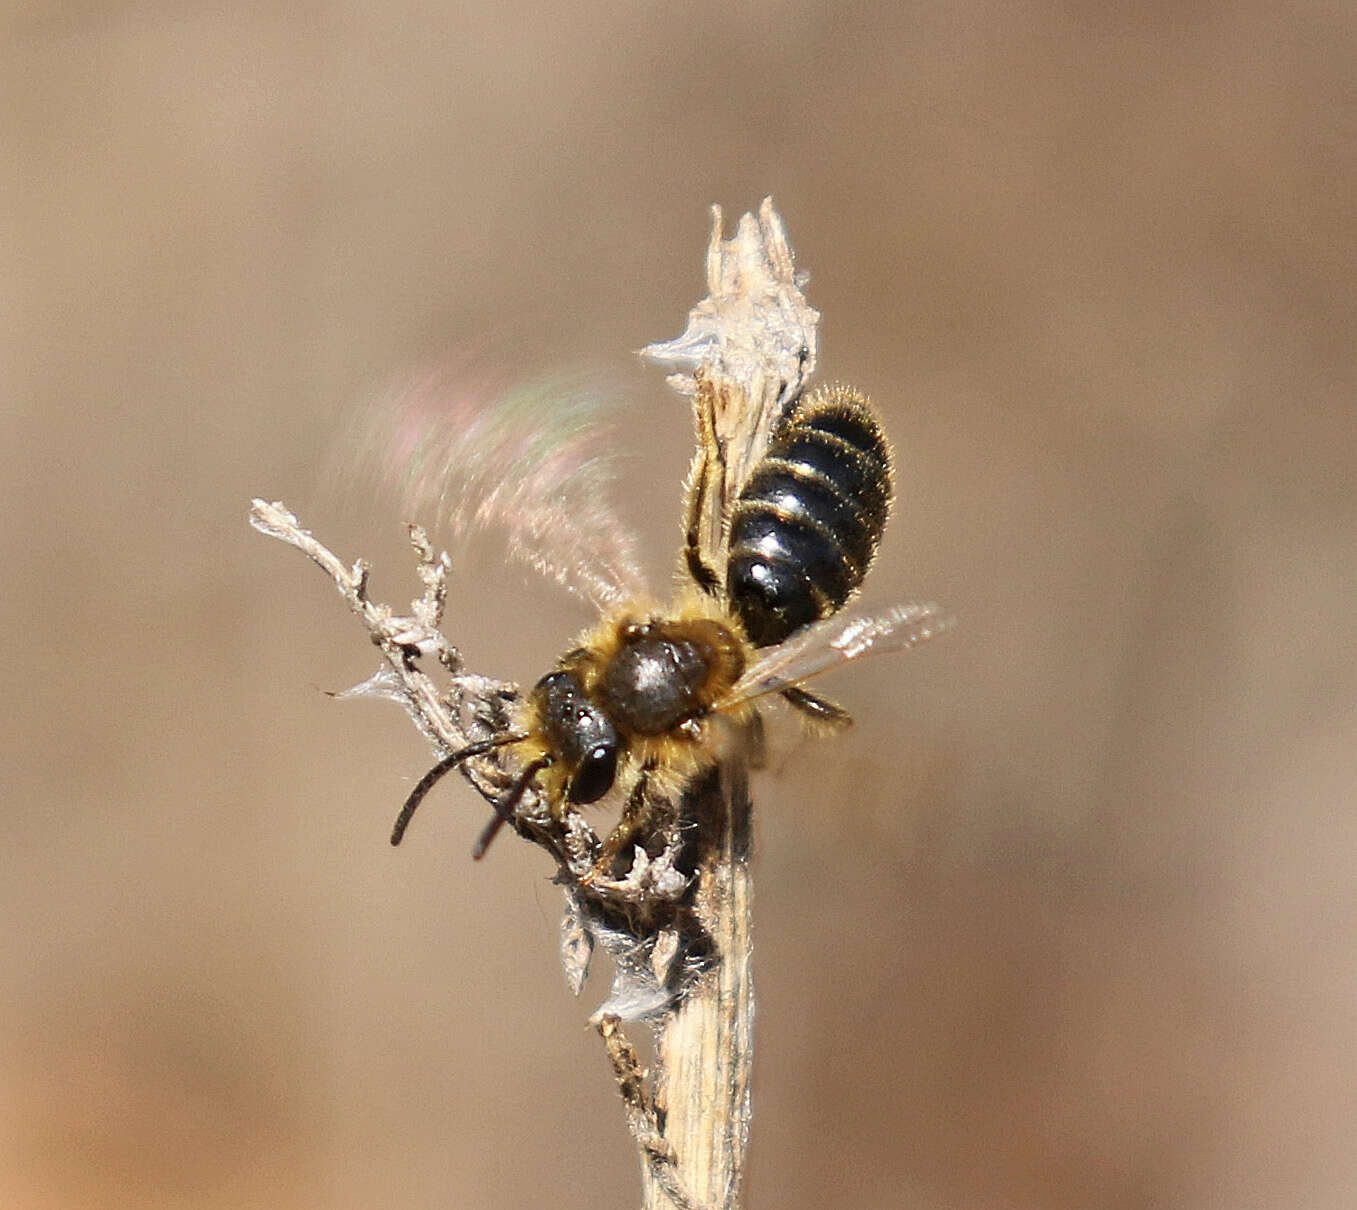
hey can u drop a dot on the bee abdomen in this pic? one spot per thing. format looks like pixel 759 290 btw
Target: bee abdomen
pixel 806 524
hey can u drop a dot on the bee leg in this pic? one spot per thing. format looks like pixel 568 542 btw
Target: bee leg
pixel 699 484
pixel 703 576
pixel 633 815
pixel 818 708
pixel 756 743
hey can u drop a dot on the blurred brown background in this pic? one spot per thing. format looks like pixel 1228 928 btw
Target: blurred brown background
pixel 1069 921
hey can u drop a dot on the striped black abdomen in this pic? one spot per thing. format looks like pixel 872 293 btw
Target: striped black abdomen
pixel 806 524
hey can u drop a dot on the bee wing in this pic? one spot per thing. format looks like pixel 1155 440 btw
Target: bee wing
pixel 833 642
pixel 747 352
pixel 472 453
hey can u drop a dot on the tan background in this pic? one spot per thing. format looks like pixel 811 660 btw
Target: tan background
pixel 1069 922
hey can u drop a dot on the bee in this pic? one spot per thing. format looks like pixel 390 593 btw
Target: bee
pixel 782 525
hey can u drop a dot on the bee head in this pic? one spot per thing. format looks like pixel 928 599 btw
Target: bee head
pixel 580 735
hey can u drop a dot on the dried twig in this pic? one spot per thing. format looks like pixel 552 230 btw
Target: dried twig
pixel 753 341
pixel 677 924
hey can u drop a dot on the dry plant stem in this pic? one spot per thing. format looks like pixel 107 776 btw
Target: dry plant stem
pixel 681 946
pixel 705 1046
pixel 754 340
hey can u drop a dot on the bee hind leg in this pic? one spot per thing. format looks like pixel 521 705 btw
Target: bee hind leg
pixel 818 709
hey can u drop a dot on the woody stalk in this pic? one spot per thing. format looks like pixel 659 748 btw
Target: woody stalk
pixel 677 925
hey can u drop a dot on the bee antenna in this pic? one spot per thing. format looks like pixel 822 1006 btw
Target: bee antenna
pixel 434 775
pixel 504 807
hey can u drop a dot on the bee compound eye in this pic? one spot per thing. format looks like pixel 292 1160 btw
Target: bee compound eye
pixel 594 776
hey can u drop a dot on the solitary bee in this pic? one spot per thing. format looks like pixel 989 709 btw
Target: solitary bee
pixel 784 514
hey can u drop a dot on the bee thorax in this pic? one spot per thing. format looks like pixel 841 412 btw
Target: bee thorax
pixel 653 683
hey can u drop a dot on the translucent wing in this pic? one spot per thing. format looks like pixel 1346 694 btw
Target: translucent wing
pixel 473 452
pixel 833 642
pixel 745 356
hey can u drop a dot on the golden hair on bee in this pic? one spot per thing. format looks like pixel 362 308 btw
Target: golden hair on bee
pixel 635 694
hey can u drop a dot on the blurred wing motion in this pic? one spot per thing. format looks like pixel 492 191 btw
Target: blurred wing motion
pixel 531 460
pixel 836 641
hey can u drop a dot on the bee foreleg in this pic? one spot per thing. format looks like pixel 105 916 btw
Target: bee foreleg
pixel 633 815
pixel 820 709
